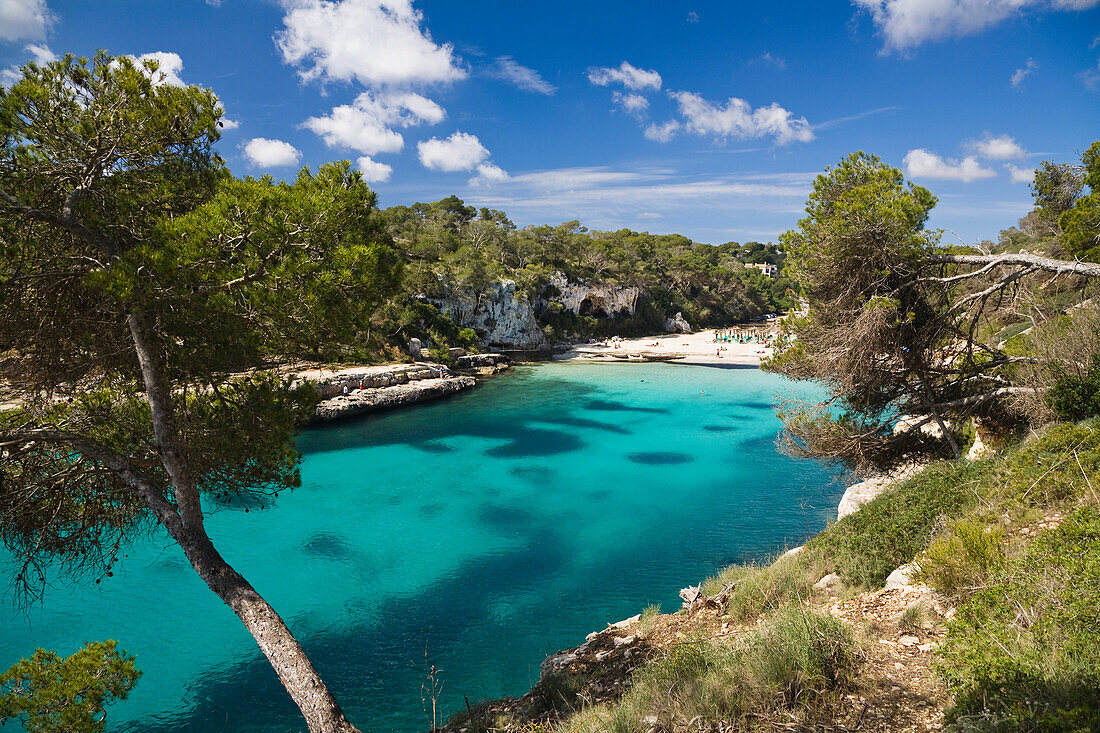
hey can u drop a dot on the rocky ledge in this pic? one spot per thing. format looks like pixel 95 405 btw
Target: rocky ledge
pixel 482 365
pixel 358 390
pixel 370 399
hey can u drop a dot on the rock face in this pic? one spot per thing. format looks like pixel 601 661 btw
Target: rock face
pixel 597 301
pixel 482 364
pixel 500 317
pixel 677 324
pixel 350 380
pixel 378 398
pixel 859 494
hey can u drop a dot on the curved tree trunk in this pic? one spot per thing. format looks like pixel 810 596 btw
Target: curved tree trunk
pixel 185 525
pixel 295 671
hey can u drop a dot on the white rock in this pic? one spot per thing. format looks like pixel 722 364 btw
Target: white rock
pixel 828 583
pixel 623 640
pixel 626 622
pixel 902 577
pixel 793 551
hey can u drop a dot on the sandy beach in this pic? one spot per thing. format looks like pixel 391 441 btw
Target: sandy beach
pixel 680 348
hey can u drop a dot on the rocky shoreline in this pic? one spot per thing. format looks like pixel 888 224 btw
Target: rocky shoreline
pixel 357 391
pixel 603 664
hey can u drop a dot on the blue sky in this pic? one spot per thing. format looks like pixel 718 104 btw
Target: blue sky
pixel 705 118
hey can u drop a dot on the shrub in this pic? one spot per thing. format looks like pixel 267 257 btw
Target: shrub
pixel 1021 655
pixel 1076 397
pixel 794 665
pixel 962 560
pixel 763 588
pixel 889 531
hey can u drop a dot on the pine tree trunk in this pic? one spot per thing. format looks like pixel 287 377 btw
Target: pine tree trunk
pixel 185 525
pixel 295 671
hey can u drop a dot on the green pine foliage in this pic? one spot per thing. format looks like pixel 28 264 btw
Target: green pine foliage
pixel 49 694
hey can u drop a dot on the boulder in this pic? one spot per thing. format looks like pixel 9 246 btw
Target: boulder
pixel 677 324
pixel 415 348
pixel 829 583
pixel 902 577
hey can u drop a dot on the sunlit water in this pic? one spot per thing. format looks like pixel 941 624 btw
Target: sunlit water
pixel 478 534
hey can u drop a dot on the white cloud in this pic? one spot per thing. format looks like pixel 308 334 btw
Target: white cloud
pixel 10 75
pixel 1091 77
pixel 367 124
pixel 228 124
pixel 488 174
pixel 1003 147
pixel 693 17
pixel 921 163
pixel 521 76
pixel 1023 72
pixel 1020 175
pixel 767 58
pixel 169 66
pixel 374 42
pixel 738 120
pixel 610 199
pixel 663 132
pixel 629 76
pixel 40 54
pixel 909 23
pixel 265 153
pixel 24 20
pixel 372 170
pixel 460 152
pixel 635 104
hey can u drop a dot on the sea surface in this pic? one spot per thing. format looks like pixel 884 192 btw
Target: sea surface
pixel 477 534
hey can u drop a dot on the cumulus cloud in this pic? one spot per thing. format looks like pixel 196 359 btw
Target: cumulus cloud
pixel 663 132
pixel 1020 175
pixel 738 120
pixel 921 163
pixel 24 20
pixel 460 152
pixel 367 124
pixel 228 124
pixel 906 24
pixel 521 76
pixel 488 174
pixel 1003 147
pixel 40 54
pixel 264 153
pixel 635 104
pixel 374 42
pixel 1023 72
pixel 629 76
pixel 373 171
pixel 169 66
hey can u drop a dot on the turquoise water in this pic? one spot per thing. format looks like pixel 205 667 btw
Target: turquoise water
pixel 478 534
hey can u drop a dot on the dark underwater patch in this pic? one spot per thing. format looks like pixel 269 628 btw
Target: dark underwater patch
pixel 660 458
pixel 326 544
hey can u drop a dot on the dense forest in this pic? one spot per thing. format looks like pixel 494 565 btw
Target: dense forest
pixel 453 252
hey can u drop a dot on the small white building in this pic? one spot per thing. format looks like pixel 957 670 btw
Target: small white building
pixel 765 267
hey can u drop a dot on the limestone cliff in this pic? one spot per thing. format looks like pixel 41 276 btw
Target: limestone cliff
pixel 506 318
pixel 500 317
